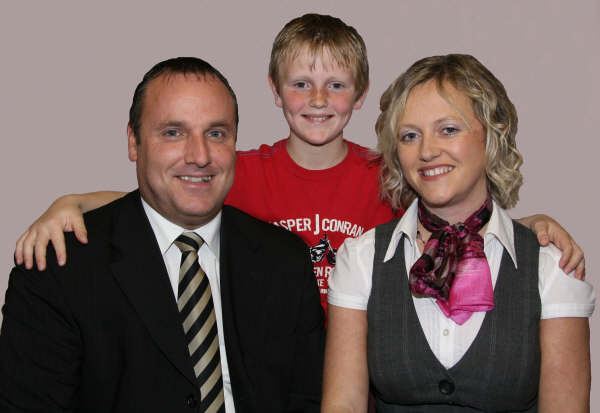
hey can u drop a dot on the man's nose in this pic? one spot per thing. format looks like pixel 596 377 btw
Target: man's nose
pixel 197 151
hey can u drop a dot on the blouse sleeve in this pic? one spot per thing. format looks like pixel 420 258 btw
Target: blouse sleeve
pixel 562 295
pixel 350 283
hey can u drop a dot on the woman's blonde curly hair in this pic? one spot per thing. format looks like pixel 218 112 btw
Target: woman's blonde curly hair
pixel 491 106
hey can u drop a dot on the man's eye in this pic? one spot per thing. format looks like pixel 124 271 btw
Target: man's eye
pixel 172 132
pixel 216 134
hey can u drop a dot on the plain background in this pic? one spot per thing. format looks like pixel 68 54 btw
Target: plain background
pixel 69 69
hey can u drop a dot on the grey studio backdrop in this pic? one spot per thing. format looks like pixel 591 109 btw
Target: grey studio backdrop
pixel 69 69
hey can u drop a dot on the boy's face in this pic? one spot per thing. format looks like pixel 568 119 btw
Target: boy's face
pixel 317 97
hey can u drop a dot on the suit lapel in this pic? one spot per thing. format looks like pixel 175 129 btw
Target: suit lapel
pixel 141 273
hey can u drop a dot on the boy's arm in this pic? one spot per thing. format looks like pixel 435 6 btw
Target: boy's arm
pixel 550 231
pixel 64 215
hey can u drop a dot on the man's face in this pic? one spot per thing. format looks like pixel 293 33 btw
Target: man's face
pixel 185 160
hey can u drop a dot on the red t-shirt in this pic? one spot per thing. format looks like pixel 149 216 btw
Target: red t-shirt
pixel 323 207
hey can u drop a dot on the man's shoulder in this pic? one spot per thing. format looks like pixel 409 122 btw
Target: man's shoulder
pixel 102 222
pixel 100 216
pixel 82 258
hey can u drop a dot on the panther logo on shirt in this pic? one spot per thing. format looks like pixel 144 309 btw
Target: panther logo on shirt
pixel 323 250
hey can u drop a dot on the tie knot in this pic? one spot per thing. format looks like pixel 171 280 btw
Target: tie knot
pixel 189 241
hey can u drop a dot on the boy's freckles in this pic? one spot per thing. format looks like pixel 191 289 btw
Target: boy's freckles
pixel 317 97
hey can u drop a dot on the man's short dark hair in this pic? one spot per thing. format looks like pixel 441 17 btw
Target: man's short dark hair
pixel 177 65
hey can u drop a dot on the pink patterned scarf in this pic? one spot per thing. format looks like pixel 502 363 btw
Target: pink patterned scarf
pixel 453 268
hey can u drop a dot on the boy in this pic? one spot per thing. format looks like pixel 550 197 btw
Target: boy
pixel 313 183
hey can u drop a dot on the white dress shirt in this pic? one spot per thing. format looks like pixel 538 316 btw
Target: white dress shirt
pixel 350 284
pixel 208 256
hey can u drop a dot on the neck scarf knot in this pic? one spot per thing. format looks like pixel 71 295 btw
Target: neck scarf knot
pixel 453 268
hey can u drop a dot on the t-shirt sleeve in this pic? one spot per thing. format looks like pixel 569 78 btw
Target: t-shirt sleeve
pixel 350 283
pixel 384 213
pixel 562 295
pixel 235 196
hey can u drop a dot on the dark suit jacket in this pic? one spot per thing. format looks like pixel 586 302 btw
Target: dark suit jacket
pixel 103 333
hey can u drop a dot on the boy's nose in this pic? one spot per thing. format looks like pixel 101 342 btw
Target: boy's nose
pixel 196 151
pixel 318 99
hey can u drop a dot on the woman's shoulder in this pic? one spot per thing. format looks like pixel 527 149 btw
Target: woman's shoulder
pixel 562 294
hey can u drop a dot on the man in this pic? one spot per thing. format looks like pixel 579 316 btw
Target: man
pixel 132 323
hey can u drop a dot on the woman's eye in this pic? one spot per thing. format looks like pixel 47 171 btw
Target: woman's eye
pixel 450 130
pixel 408 137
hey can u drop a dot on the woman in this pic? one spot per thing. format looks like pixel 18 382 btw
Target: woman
pixel 454 307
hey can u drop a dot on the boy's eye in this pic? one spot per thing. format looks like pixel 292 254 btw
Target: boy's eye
pixel 301 85
pixel 337 85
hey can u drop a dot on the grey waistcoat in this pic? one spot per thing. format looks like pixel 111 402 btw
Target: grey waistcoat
pixel 500 371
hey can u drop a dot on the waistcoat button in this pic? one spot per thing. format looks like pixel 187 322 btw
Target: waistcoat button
pixel 446 387
pixel 191 401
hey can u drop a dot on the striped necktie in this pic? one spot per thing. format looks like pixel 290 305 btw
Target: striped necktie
pixel 197 311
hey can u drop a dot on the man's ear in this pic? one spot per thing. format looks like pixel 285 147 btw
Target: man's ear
pixel 275 92
pixel 131 144
pixel 361 99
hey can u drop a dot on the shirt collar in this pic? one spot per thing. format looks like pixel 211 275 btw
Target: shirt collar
pixel 499 226
pixel 167 232
pixel 407 226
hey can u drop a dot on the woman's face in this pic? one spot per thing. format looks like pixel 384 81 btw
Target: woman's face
pixel 441 148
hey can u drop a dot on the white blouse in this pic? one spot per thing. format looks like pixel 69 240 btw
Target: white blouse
pixel 350 285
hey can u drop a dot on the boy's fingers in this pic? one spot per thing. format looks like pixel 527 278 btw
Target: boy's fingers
pixel 576 258
pixel 572 255
pixel 580 271
pixel 58 241
pixel 19 248
pixel 39 248
pixel 567 252
pixel 543 231
pixel 28 242
pixel 80 230
pixel 540 227
pixel 543 238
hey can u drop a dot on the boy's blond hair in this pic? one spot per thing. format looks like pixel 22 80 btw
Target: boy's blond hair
pixel 491 106
pixel 320 33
